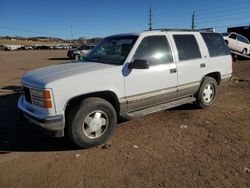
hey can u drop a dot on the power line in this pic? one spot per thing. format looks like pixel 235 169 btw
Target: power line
pixel 229 7
pixel 223 15
pixel 230 25
pixel 222 19
pixel 30 31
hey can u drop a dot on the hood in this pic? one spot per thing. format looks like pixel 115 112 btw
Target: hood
pixel 43 76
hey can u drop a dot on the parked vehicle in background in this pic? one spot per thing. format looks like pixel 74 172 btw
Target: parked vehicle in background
pixel 128 75
pixel 81 51
pixel 237 43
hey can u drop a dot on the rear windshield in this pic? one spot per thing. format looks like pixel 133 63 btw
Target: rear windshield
pixel 215 44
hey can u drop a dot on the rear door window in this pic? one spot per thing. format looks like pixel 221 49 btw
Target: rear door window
pixel 215 44
pixel 187 47
pixel 242 39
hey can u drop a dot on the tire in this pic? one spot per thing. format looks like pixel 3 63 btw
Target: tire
pixel 207 93
pixel 76 57
pixel 91 123
pixel 244 51
pixel 226 42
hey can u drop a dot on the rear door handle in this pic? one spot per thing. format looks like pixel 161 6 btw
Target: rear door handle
pixel 202 65
pixel 173 70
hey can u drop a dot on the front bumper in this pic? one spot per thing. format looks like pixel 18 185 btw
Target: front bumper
pixel 51 125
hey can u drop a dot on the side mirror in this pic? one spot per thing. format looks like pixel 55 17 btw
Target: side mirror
pixel 138 64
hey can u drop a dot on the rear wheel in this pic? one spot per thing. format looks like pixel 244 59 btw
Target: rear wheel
pixel 207 92
pixel 91 123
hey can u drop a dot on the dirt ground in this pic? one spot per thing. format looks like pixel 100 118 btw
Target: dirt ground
pixel 181 147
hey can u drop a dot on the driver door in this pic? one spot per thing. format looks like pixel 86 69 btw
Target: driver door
pixel 158 83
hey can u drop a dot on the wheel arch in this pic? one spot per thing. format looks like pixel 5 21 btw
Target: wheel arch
pixel 215 75
pixel 109 96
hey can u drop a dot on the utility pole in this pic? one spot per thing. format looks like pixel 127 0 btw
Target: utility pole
pixel 150 19
pixel 71 33
pixel 193 16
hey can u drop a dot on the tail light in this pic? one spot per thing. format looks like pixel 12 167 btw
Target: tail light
pixel 233 59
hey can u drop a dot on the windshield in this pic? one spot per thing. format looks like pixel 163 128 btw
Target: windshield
pixel 112 50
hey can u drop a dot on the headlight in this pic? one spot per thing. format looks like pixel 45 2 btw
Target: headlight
pixel 43 94
pixel 41 98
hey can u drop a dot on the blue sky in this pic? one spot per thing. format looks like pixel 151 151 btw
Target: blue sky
pixel 99 18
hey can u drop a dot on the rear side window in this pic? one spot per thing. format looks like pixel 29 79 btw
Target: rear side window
pixel 215 44
pixel 187 47
pixel 242 39
pixel 154 49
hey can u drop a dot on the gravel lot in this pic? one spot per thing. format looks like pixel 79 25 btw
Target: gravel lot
pixel 181 147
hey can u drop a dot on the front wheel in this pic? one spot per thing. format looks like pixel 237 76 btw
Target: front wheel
pixel 244 51
pixel 91 123
pixel 76 57
pixel 207 92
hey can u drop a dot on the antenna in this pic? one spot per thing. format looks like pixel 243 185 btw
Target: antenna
pixel 150 19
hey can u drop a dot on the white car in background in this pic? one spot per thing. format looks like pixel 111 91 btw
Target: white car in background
pixel 237 43
pixel 81 51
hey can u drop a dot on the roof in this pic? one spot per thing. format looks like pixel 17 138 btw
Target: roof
pixel 184 29
pixel 210 30
pixel 126 35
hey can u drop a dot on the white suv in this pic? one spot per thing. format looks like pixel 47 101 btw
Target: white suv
pixel 126 75
pixel 237 43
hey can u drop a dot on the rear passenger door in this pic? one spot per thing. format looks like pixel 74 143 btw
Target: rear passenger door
pixel 190 63
pixel 219 54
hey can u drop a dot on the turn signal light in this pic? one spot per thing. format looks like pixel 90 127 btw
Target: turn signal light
pixel 46 94
pixel 47 104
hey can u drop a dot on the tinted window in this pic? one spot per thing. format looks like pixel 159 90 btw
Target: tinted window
pixel 154 49
pixel 187 47
pixel 242 39
pixel 215 44
pixel 232 36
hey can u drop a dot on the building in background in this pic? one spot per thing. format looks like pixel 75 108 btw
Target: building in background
pixel 242 30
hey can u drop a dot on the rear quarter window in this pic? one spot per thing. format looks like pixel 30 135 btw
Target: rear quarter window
pixel 215 44
pixel 187 47
pixel 242 39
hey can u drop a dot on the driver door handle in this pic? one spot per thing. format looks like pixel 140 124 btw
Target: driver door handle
pixel 202 65
pixel 174 70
